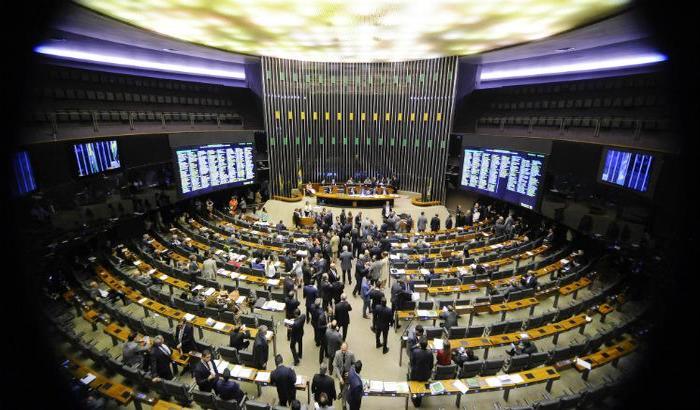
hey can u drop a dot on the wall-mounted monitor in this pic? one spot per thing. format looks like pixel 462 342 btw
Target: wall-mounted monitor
pixel 206 168
pixel 23 182
pixel 512 176
pixel 96 157
pixel 634 170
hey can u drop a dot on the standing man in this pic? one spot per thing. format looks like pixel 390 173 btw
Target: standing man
pixel 323 383
pixel 422 222
pixel 342 314
pixel 206 373
pixel 435 223
pixel 260 348
pixel 209 267
pixel 335 245
pixel 184 336
pixel 343 361
pixel 355 389
pixel 161 364
pixel 383 319
pixel 421 367
pixel 284 379
pixel 346 263
pixel 310 295
pixel 297 334
pixel 333 341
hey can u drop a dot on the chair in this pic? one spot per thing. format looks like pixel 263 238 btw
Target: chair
pixel 492 366
pixel 226 404
pixel 267 322
pixel 497 328
pixel 256 405
pixel 569 402
pixel 229 354
pixel 443 303
pixel 203 399
pixel 445 372
pixel 552 404
pixel 513 326
pixel 426 305
pixel 457 332
pixel 246 358
pixel 433 332
pixel 475 331
pixel 471 369
pixel 179 391
pixel 278 297
pixel 517 363
pixel 249 320
pixel 559 354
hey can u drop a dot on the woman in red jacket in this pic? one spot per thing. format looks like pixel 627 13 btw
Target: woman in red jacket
pixel 444 355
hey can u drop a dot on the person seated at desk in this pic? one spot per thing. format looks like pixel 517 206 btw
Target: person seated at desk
pixel 462 355
pixel 238 340
pixel 524 346
pixel 450 318
pixel 444 355
pixel 175 241
pixel 529 280
pixel 262 215
pixel 133 351
pixel 280 226
pixel 350 181
pixel 512 287
pixel 309 190
pixel 228 389
pixel 307 209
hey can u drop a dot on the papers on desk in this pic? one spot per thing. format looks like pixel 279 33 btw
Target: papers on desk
pixel 223 272
pixel 137 263
pixel 299 380
pixel 516 378
pixel 262 377
pixel 390 387
pixel 218 252
pixel 460 386
pixel 269 334
pixel 236 371
pixel 424 313
pixel 376 386
pixel 438 344
pixel 189 317
pixel 528 253
pixel 240 300
pixel 505 379
pixel 221 365
pixel 493 382
pixel 88 378
pixel 198 287
pixel 394 256
pixel 219 326
pixel 564 261
pixel 103 293
pixel 273 305
pixel 437 388
pixel 210 321
pixel 142 301
pixel 497 246
pixel 151 272
pixel 241 277
pixel 424 271
pixel 462 270
pixel 288 322
pixel 273 282
pixel 163 277
pixel 415 296
pixel 245 373
pixel 583 364
pixel 209 292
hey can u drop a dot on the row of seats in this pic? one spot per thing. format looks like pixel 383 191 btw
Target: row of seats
pixel 578 122
pixel 128 97
pixel 614 83
pixel 63 116
pixel 580 103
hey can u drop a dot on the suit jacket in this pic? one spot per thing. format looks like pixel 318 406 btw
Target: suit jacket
pixel 132 354
pixel 342 315
pixel 450 319
pixel 310 295
pixel 333 341
pixel 237 339
pixel 297 329
pixel 187 339
pixel 383 317
pixel 290 305
pixel 228 390
pixel 260 352
pixel 421 364
pixel 323 383
pixel 341 365
pixel 435 223
pixel 355 389
pixel 284 379
pixel 201 373
pixel 421 223
pixel 346 260
pixel 160 364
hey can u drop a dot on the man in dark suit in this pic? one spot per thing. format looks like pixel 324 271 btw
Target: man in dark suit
pixel 205 372
pixel 383 318
pixel 323 383
pixel 260 348
pixel 184 336
pixel 290 305
pixel 228 389
pixel 355 389
pixel 342 314
pixel 421 367
pixel 284 379
pixel 310 295
pixel 238 340
pixel 449 317
pixel 296 332
pixel 161 364
pixel 529 281
pixel 524 346
pixel 435 223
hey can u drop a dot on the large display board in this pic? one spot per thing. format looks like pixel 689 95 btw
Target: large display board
pixel 206 168
pixel 512 176
pixel 24 181
pixel 95 157
pixel 628 169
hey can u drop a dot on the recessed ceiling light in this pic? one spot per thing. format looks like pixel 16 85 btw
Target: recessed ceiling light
pixel 170 50
pixel 565 49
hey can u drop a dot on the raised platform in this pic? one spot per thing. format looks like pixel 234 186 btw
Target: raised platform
pixel 355 201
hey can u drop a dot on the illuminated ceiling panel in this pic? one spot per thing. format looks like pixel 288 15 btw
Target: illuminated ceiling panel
pixel 357 30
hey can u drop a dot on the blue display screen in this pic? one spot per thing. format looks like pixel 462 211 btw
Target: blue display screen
pixel 24 181
pixel 627 169
pixel 96 157
pixel 512 176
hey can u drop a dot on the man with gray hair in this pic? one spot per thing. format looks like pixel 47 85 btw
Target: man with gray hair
pixel 323 383
pixel 260 348
pixel 346 263
pixel 161 364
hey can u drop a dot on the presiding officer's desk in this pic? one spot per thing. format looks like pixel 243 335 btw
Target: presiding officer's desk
pixel 355 201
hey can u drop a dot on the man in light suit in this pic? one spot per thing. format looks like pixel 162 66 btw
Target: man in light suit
pixel 184 336
pixel 346 263
pixel 132 355
pixel 343 361
pixel 422 222
pixel 209 267
pixel 333 341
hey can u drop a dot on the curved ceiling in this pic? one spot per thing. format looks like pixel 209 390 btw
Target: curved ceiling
pixel 357 30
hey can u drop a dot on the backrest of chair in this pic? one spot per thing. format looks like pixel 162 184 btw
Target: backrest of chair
pixel 552 404
pixel 492 366
pixel 204 399
pixel 256 405
pixel 497 328
pixel 433 332
pixel 538 359
pixel 249 320
pixel 457 332
pixel 513 326
pixel 229 354
pixel 496 299
pixel 452 282
pixel 445 372
pixel 277 297
pixel 471 369
pixel 426 305
pixel 475 331
pixel 518 362
pixel 177 390
pixel 443 303
pixel 267 322
pixel 226 404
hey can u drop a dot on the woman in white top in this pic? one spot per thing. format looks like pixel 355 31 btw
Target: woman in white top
pixel 270 270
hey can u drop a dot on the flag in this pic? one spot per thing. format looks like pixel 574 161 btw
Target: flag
pixel 281 181
pixel 300 178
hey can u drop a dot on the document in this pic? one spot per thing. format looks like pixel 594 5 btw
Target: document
pixel 240 300
pixel 583 364
pixel 390 387
pixel 376 386
pixel 198 287
pixel 564 261
pixel 137 263
pixel 209 292
pixel 424 271
pixel 437 388
pixel 151 272
pixel 493 382
pixel 236 371
pixel 262 377
pixel 245 373
pixel 88 378
pixel 221 365
pixel 402 387
pixel 438 344
pixel 219 326
pixel 189 317
pixel 142 301
pixel 299 380
pixel 460 386
pixel 516 378
pixel 163 277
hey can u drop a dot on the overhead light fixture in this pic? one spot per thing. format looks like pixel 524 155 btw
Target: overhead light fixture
pixel 139 63
pixel 564 49
pixel 622 62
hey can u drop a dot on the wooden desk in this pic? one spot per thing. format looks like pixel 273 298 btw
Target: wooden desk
pixel 120 393
pixel 504 308
pixel 573 287
pixel 447 290
pixel 606 355
pixel 355 201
